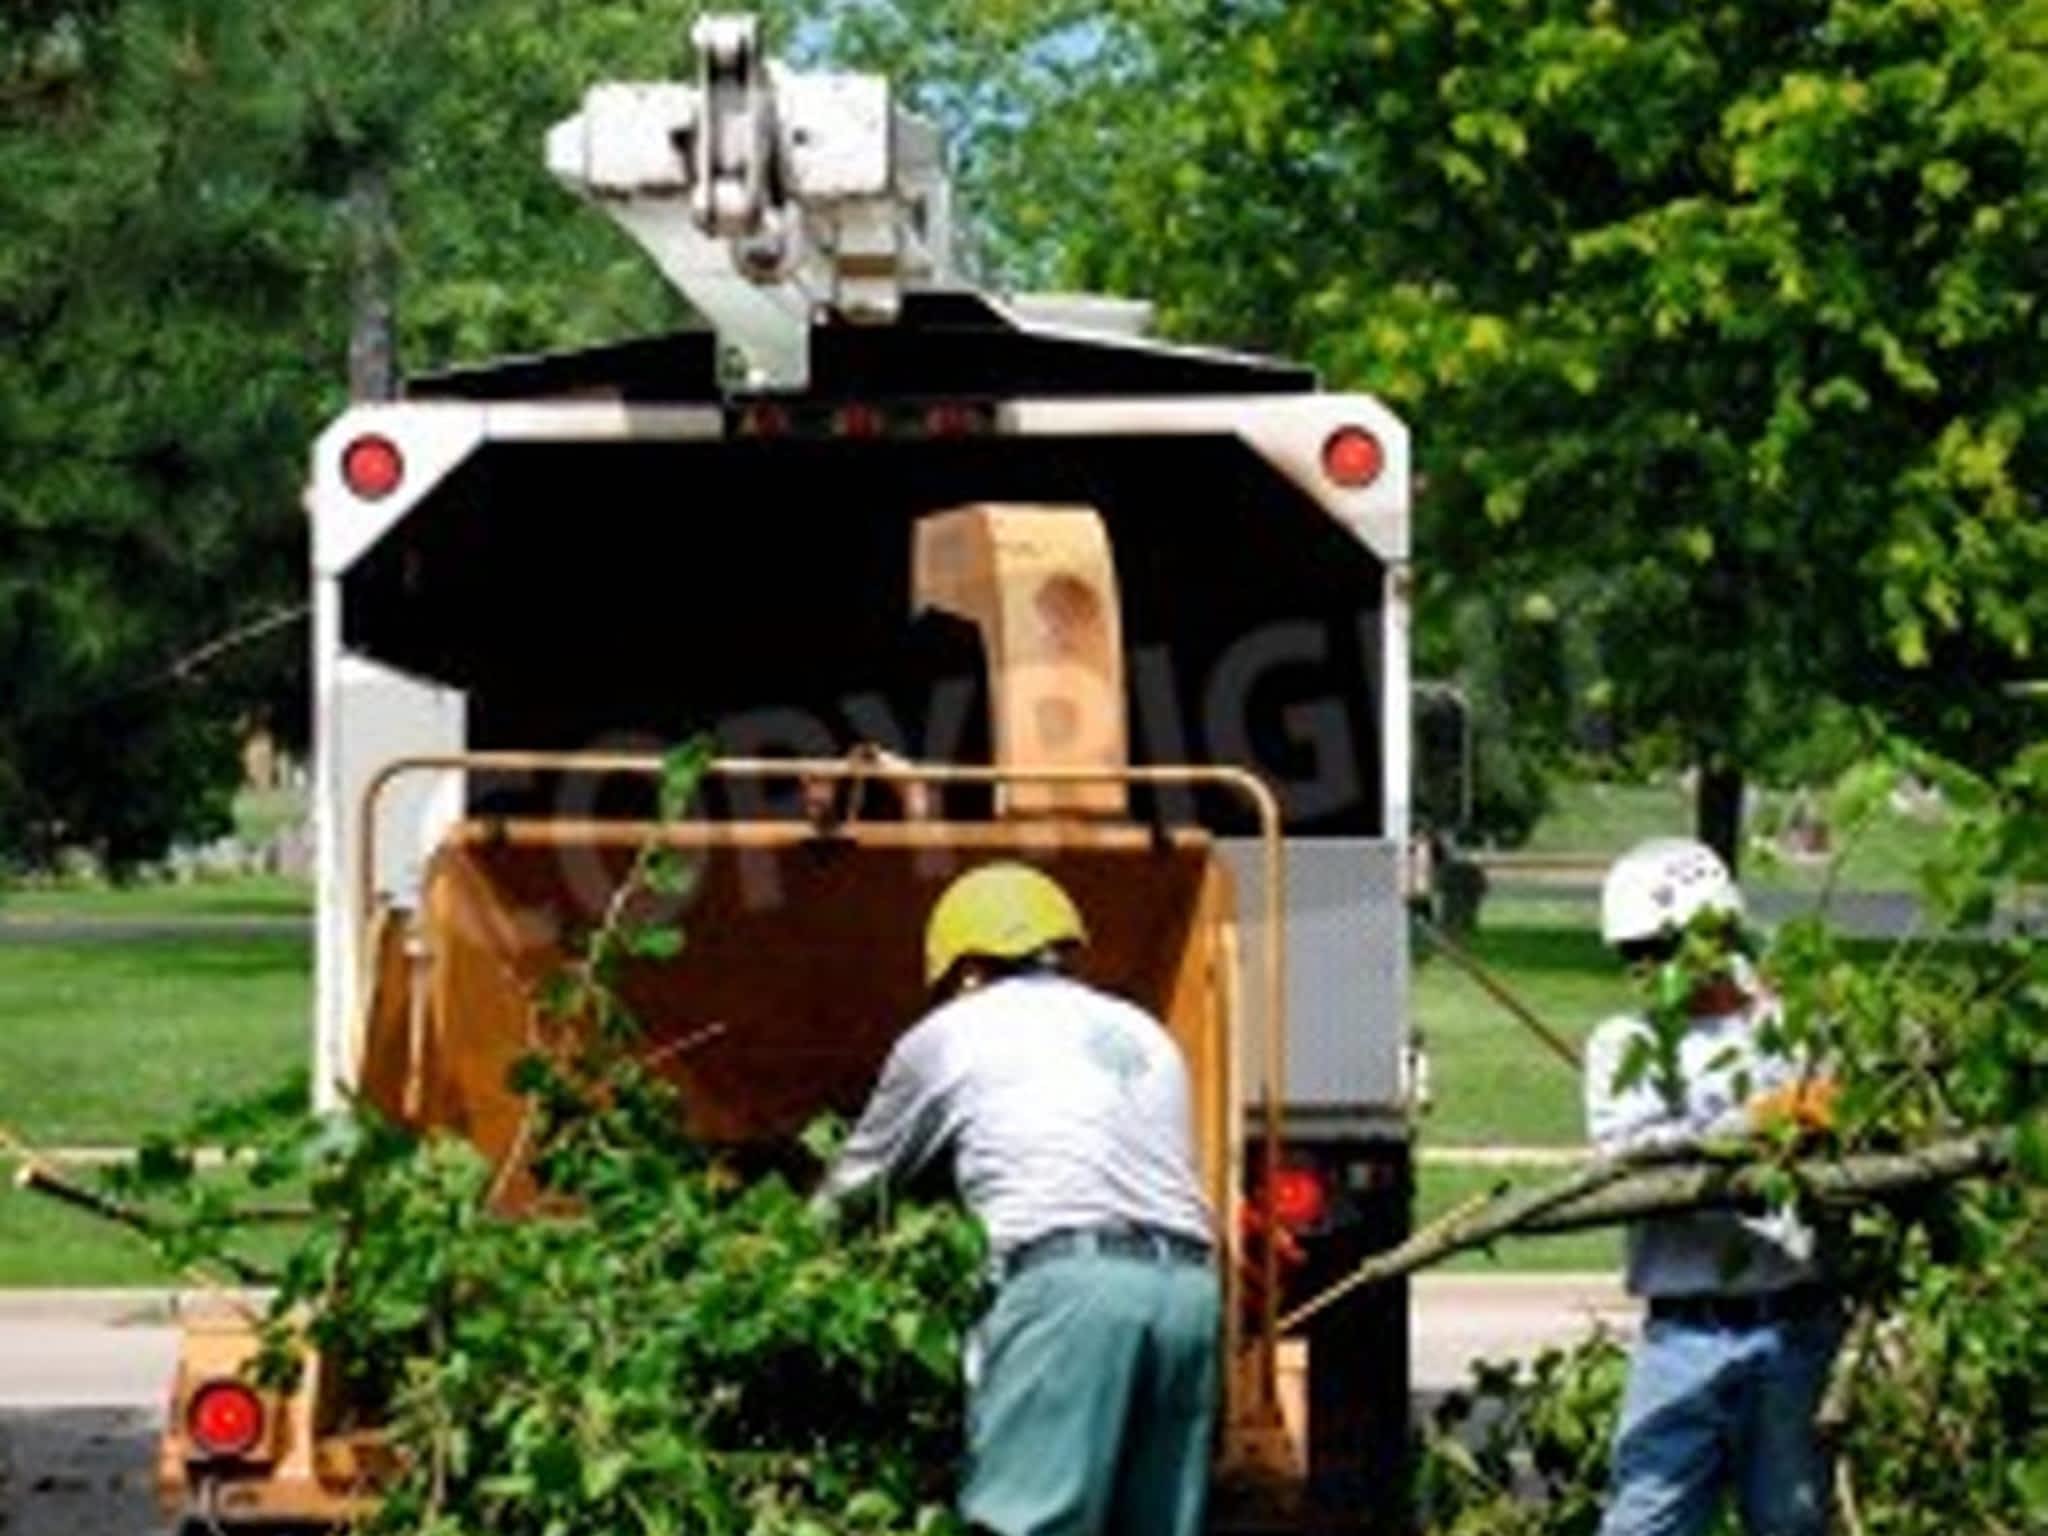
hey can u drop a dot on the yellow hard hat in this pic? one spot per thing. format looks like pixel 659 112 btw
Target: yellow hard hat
pixel 1005 911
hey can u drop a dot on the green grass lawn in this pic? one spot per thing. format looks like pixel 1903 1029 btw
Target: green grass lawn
pixel 1492 1081
pixel 262 896
pixel 101 1042
pixel 1438 1189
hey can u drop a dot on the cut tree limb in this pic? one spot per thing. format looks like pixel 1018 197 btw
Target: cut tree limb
pixel 1612 1191
pixel 38 1178
pixel 1466 1225
pixel 1858 1179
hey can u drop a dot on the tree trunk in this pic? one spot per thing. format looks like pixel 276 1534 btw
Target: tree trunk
pixel 1717 807
pixel 373 308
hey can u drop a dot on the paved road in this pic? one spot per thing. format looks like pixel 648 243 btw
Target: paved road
pixel 82 1377
pixel 1459 1319
pixel 84 1349
pixel 19 930
pixel 1865 914
pixel 77 1472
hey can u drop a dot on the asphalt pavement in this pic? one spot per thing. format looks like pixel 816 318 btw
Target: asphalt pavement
pixel 1861 914
pixel 17 929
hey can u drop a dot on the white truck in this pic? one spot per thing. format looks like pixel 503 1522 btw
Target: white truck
pixel 1136 611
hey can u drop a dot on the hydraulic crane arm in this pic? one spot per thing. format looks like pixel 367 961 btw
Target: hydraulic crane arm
pixel 766 195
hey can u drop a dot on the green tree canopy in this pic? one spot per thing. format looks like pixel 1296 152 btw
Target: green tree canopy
pixel 1720 322
pixel 177 183
pixel 1718 325
pixel 164 334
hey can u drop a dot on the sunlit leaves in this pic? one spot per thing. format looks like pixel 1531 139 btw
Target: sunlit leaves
pixel 1750 282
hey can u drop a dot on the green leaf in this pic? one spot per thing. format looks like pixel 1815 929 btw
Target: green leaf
pixel 2030 1147
pixel 668 873
pixel 654 943
pixel 682 770
pixel 603 1474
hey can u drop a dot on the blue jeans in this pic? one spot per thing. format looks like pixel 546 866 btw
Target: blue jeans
pixel 1711 1408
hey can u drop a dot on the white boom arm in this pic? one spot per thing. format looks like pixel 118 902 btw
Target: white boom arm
pixel 764 194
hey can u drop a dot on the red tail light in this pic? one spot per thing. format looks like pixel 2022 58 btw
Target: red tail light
pixel 225 1418
pixel 1299 1198
pixel 1353 457
pixel 859 421
pixel 372 467
pixel 952 420
pixel 764 420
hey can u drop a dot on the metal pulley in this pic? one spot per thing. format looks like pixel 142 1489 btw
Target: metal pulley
pixel 735 136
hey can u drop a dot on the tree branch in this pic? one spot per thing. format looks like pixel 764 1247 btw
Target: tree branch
pixel 39 1178
pixel 1858 1179
pixel 1470 1224
pixel 1608 1193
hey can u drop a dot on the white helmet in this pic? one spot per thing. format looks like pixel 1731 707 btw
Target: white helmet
pixel 1659 885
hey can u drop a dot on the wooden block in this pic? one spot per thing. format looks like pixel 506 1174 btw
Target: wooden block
pixel 1039 583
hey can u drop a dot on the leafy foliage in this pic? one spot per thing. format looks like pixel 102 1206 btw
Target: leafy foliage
pixel 663 1342
pixel 176 180
pixel 1523 1451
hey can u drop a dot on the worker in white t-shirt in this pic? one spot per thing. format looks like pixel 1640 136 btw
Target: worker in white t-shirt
pixel 1742 1323
pixel 1065 1115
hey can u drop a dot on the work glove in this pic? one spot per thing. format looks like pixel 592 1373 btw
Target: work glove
pixel 1808 1105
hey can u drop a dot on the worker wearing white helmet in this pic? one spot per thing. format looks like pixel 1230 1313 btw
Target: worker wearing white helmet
pixel 1659 886
pixel 1066 1117
pixel 1742 1324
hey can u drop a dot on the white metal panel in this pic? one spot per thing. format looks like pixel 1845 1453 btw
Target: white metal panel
pixel 834 132
pixel 432 438
pixel 627 139
pixel 1092 316
pixel 600 421
pixel 332 926
pixel 1347 975
pixel 370 716
pixel 1288 431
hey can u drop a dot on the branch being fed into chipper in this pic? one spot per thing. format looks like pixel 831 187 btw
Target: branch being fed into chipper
pixel 1612 1191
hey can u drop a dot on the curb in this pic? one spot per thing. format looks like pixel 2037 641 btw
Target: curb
pixel 1569 1290
pixel 1501 1157
pixel 135 1307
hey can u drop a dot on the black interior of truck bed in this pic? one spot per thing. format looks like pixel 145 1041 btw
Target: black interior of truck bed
pixel 629 594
